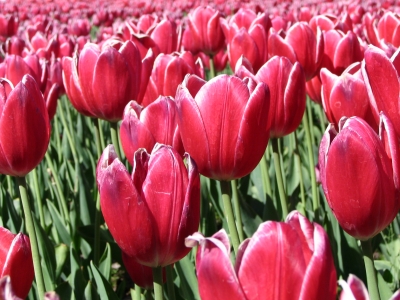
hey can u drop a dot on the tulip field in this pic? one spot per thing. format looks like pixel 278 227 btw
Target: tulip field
pixel 199 150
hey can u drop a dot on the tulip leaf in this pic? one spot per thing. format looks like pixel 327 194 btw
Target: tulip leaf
pixel 105 262
pixel 88 291
pixel 188 280
pixel 104 288
pixel 76 279
pixel 61 257
pixel 58 222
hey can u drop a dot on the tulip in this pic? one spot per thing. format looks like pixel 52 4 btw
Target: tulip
pixel 24 127
pixel 379 72
pixel 225 126
pixel 283 260
pixel 346 96
pixel 340 50
pixel 6 291
pixel 359 171
pixel 144 127
pixel 203 32
pixel 247 35
pixel 169 70
pixel 16 262
pixel 150 213
pixel 300 44
pixel 100 83
pixel 167 35
pixel 287 85
pixel 354 288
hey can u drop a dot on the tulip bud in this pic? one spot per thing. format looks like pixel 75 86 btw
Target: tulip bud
pixel 16 262
pixel 150 213
pixel 359 173
pixel 24 127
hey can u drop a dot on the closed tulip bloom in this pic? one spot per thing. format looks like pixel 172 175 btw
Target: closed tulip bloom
pixel 167 35
pixel 346 96
pixel 144 127
pixel 203 32
pixel 359 172
pixel 379 72
pixel 152 211
pixel 283 260
pixel 287 86
pixel 16 261
pixel 354 288
pixel 247 35
pixel 169 70
pixel 340 50
pixel 225 125
pixel 100 82
pixel 24 127
pixel 300 44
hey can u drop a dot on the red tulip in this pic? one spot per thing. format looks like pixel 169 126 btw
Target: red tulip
pixel 300 44
pixel 346 96
pixel 144 127
pixel 340 50
pixel 354 288
pixel 8 26
pixel 283 260
pixel 379 73
pixel 225 125
pixel 203 32
pixel 247 35
pixel 287 85
pixel 150 213
pixel 100 83
pixel 169 70
pixel 359 171
pixel 167 35
pixel 24 127
pixel 16 261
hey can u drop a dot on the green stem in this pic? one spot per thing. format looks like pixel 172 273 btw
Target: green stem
pixel 114 137
pixel 212 68
pixel 158 283
pixel 311 164
pixel 226 199
pixel 265 176
pixel 38 198
pixel 370 270
pixel 236 206
pixel 103 146
pixel 170 282
pixel 57 137
pixel 97 216
pixel 63 201
pixel 137 293
pixel 32 237
pixel 298 165
pixel 9 186
pixel 279 179
pixel 68 133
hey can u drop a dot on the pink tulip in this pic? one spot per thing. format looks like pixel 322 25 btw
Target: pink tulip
pixel 152 211
pixel 283 260
pixel 144 127
pixel 359 172
pixel 16 262
pixel 224 126
pixel 24 127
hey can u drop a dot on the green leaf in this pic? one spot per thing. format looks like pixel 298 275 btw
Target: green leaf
pixel 59 223
pixel 61 257
pixel 104 288
pixel 105 262
pixel 187 279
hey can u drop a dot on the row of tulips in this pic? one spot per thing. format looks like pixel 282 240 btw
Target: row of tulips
pixel 182 129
